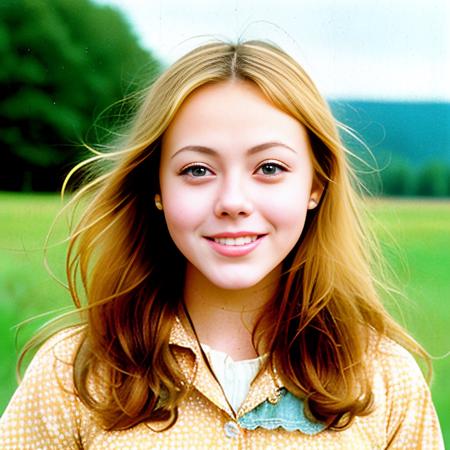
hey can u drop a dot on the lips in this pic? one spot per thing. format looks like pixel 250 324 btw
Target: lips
pixel 234 244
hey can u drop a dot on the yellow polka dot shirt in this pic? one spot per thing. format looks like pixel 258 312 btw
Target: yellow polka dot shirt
pixel 45 414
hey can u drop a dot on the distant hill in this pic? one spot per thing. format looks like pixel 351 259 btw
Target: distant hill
pixel 414 132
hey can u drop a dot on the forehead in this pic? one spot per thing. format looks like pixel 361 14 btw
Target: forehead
pixel 230 112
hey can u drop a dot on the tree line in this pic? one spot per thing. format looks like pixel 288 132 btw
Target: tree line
pixel 401 178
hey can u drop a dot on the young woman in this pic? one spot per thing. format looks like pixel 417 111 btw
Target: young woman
pixel 228 297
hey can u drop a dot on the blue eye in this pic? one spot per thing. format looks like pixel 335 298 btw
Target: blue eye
pixel 196 171
pixel 271 169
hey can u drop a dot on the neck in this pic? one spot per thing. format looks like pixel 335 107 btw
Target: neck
pixel 224 319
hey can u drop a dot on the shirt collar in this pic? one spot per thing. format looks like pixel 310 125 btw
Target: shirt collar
pixel 265 386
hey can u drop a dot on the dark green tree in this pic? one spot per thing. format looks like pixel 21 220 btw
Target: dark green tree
pixel 433 180
pixel 398 179
pixel 62 63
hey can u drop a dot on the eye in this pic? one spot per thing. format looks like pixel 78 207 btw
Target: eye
pixel 196 171
pixel 271 168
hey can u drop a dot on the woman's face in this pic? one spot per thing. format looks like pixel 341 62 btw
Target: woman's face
pixel 236 182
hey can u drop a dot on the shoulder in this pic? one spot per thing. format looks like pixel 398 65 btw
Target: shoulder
pixel 56 355
pixel 396 373
pixel 395 364
pixel 62 344
pixel 50 372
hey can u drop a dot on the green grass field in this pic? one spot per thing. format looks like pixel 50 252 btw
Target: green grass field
pixel 421 259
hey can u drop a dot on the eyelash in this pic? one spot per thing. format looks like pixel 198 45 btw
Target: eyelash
pixel 277 165
pixel 188 170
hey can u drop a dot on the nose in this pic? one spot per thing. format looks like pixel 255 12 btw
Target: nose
pixel 233 199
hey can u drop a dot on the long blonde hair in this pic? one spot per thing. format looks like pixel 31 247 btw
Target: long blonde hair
pixel 121 256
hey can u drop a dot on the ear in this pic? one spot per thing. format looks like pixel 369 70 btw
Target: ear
pixel 315 195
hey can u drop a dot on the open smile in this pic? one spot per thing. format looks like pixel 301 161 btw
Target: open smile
pixel 242 240
pixel 237 245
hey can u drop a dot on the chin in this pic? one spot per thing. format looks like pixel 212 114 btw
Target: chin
pixel 236 282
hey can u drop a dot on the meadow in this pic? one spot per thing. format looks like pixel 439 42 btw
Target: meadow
pixel 415 237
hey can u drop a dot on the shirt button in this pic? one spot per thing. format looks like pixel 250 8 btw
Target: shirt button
pixel 231 429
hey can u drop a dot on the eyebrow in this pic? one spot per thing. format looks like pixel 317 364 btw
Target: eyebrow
pixel 250 151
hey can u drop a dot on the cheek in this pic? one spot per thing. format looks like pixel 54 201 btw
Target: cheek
pixel 287 207
pixel 182 210
pixel 289 221
pixel 178 215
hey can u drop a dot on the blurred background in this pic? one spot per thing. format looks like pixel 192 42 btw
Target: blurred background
pixel 67 66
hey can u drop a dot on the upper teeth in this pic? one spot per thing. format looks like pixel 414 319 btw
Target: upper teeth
pixel 242 240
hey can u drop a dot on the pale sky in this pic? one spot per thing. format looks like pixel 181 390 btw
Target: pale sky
pixel 389 49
